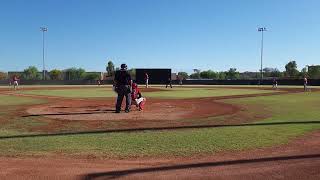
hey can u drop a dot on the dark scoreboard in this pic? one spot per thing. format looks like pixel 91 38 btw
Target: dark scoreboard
pixel 156 76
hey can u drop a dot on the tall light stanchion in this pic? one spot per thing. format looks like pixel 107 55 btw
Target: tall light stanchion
pixel 43 29
pixel 262 29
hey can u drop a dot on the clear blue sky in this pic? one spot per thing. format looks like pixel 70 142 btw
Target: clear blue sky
pixel 178 34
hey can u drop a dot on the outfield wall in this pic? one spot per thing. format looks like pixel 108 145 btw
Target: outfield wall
pixel 156 76
pixel 57 82
pixel 312 82
pixel 296 82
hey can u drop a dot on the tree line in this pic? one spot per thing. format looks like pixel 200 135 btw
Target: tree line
pixel 291 72
pixel 32 73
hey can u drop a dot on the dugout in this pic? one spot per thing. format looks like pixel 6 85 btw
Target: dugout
pixel 156 76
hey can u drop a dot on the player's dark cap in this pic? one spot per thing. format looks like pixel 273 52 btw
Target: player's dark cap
pixel 123 66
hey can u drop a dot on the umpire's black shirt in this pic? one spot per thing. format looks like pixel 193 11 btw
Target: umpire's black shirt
pixel 122 77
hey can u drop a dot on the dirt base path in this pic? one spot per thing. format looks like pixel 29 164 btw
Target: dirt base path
pixel 298 160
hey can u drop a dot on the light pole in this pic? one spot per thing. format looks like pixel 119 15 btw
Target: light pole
pixel 43 29
pixel 261 29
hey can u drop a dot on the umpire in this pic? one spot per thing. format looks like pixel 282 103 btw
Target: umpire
pixel 122 85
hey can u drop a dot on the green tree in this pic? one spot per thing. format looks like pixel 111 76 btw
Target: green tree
pixel 3 75
pixel 213 75
pixel 196 74
pixel 276 74
pixel 75 74
pixel 248 75
pixel 204 75
pixel 31 73
pixel 183 75
pixel 92 76
pixel 232 74
pixel 55 74
pixel 110 68
pixel 291 69
pixel 314 72
pixel 208 74
pixel 222 75
pixel 303 73
pixel 272 72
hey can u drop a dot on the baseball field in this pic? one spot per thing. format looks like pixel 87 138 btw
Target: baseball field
pixel 190 132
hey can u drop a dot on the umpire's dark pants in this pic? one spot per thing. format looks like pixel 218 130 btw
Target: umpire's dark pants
pixel 123 91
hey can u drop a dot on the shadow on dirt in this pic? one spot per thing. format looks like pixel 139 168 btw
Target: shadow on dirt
pixel 93 111
pixel 158 129
pixel 119 174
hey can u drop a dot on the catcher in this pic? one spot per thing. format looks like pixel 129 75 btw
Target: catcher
pixel 136 97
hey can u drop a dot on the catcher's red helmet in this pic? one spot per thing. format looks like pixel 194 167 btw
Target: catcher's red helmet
pixel 134 85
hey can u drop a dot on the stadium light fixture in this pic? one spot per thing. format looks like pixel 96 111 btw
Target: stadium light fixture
pixel 43 29
pixel 261 29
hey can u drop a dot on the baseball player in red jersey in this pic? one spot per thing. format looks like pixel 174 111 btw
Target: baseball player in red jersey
pixel 137 98
pixel 15 80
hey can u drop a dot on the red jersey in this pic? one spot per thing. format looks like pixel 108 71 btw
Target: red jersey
pixel 15 78
pixel 135 92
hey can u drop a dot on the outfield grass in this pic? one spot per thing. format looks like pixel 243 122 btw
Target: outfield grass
pixel 169 93
pixel 290 107
pixel 6 100
pixel 76 93
pixel 202 92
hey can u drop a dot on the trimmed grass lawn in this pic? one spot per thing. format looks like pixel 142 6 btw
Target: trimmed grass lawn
pixel 283 108
pixel 16 125
pixel 6 100
pixel 76 93
pixel 290 107
pixel 169 93
pixel 200 92
pixel 167 143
